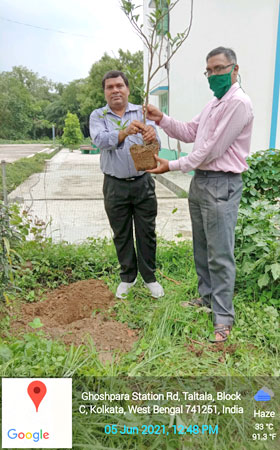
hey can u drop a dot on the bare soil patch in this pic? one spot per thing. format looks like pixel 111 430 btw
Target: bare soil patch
pixel 199 348
pixel 73 313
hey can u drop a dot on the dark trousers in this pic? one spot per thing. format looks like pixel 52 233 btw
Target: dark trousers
pixel 128 202
pixel 213 202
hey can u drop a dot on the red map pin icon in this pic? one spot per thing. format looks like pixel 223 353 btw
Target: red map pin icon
pixel 37 391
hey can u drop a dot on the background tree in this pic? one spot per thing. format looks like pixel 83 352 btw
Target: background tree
pixel 30 105
pixel 16 108
pixel 24 97
pixel 72 135
pixel 39 87
pixel 56 113
pixel 68 98
pixel 40 125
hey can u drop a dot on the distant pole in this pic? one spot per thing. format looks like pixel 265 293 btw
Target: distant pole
pixel 53 133
pixel 5 195
pixel 179 148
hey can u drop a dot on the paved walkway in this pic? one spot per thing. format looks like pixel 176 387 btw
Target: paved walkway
pixel 177 182
pixel 68 194
pixel 13 152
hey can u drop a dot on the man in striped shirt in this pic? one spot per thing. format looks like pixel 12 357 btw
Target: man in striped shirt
pixel 221 134
pixel 129 195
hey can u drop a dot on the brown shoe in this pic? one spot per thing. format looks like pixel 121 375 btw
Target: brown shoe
pixel 197 302
pixel 223 331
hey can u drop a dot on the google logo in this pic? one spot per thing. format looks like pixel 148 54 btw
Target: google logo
pixel 12 434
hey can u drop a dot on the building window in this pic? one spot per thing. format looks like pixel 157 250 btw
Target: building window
pixel 163 26
pixel 163 103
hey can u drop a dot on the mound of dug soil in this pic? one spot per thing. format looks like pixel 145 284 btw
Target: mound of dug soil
pixel 74 312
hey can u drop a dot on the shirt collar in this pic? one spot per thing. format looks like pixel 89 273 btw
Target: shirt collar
pixel 129 107
pixel 227 95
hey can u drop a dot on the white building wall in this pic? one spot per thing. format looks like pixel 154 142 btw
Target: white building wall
pixel 249 27
pixel 161 77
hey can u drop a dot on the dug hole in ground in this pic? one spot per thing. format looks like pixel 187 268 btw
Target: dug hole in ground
pixel 76 312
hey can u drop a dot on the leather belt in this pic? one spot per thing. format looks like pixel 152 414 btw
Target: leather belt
pixel 125 179
pixel 213 173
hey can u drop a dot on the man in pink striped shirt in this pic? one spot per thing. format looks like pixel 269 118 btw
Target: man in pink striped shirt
pixel 221 134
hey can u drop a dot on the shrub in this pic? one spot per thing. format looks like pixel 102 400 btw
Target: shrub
pixel 72 135
pixel 262 179
pixel 257 249
pixel 9 238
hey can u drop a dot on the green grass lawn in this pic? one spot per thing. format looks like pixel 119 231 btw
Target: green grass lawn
pixel 173 340
pixel 173 343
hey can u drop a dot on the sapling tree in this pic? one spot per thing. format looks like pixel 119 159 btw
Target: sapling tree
pixel 157 38
pixel 161 47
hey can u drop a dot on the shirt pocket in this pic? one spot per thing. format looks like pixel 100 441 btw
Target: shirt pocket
pixel 214 119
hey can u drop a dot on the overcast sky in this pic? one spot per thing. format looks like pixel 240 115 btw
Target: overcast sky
pixel 62 56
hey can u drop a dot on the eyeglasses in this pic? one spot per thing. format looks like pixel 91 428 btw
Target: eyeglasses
pixel 216 70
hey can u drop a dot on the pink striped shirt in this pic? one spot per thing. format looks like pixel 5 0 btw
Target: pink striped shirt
pixel 221 134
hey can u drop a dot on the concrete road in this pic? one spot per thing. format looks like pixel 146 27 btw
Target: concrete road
pixel 13 152
pixel 68 196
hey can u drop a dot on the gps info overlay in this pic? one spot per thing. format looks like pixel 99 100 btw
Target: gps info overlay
pixel 180 413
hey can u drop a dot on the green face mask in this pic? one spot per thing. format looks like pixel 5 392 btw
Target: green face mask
pixel 220 84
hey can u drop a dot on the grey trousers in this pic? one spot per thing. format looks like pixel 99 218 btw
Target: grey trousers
pixel 128 202
pixel 213 202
